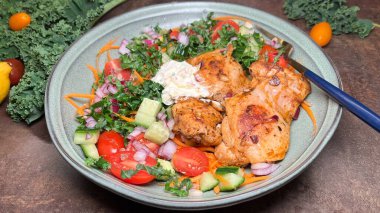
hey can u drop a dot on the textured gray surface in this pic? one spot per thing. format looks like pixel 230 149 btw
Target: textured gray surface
pixel 344 178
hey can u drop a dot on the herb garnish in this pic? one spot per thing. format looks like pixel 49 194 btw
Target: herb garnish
pixel 100 163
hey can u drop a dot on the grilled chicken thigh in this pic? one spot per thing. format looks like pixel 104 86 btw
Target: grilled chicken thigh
pixel 221 74
pixel 197 122
pixel 257 126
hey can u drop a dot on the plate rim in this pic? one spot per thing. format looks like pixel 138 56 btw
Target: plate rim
pixel 186 205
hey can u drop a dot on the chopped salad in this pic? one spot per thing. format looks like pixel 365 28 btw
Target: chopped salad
pixel 126 128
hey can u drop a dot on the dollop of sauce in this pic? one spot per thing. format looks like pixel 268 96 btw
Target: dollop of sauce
pixel 178 80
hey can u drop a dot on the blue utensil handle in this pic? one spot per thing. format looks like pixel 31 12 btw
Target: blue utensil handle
pixel 353 105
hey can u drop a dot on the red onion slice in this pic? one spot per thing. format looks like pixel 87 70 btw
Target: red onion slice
pixel 260 165
pixel 170 124
pixel 266 171
pixel 88 136
pixel 135 132
pixel 183 38
pixel 171 135
pixel 112 89
pixel 167 150
pixel 123 47
pixel 296 114
pixel 90 122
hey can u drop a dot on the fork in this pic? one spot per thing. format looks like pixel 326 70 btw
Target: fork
pixel 344 99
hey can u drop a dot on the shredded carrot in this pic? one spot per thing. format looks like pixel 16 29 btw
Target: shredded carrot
pixel 179 142
pixel 140 79
pixel 309 111
pixel 92 93
pixel 221 179
pixel 307 103
pixel 206 148
pixel 78 95
pixel 79 110
pixel 246 175
pixel 124 118
pixel 196 178
pixel 95 72
pixel 109 58
pixel 163 50
pixel 216 189
pixel 254 179
pixel 108 46
pixel 225 18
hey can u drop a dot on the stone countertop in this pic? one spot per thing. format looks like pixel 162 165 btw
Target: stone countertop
pixel 344 177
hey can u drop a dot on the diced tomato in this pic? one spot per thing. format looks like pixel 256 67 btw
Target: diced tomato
pixel 123 160
pixel 109 143
pixel 282 62
pixel 113 68
pixel 271 53
pixel 219 26
pixel 174 34
pixel 190 161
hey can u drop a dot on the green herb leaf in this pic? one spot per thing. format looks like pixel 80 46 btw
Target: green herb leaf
pixel 178 188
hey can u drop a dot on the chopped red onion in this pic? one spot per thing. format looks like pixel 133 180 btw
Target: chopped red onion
pixel 161 116
pixel 115 108
pixel 183 38
pixel 98 110
pixel 167 150
pixel 123 47
pixel 90 122
pixel 88 136
pixel 170 124
pixel 195 193
pixel 148 42
pixel 112 89
pixel 171 135
pixel 139 146
pixel 266 171
pixel 140 155
pixel 86 111
pixel 260 165
pixel 136 132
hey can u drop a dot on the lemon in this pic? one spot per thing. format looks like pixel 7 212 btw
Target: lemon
pixel 5 83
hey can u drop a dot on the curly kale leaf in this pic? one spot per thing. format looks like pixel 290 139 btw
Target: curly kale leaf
pixel 55 25
pixel 343 19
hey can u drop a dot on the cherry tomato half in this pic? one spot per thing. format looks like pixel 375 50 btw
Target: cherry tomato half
pixel 17 72
pixel 113 68
pixel 219 26
pixel 109 143
pixel 190 161
pixel 123 160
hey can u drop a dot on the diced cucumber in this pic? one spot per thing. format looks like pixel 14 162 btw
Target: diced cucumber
pixel 245 30
pixel 157 132
pixel 208 181
pixel 86 136
pixel 149 107
pixel 229 181
pixel 144 120
pixel 90 150
pixel 166 165
pixel 229 169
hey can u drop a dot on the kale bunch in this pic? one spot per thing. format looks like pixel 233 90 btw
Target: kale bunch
pixel 55 25
pixel 342 18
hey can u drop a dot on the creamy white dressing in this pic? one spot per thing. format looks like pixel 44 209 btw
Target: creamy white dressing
pixel 178 81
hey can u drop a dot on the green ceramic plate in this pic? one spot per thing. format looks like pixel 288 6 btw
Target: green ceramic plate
pixel 71 75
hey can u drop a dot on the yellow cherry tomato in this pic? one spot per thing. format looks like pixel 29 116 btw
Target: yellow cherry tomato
pixel 321 33
pixel 5 82
pixel 19 21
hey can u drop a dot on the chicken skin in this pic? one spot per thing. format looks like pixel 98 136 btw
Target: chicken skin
pixel 257 126
pixel 221 74
pixel 197 122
